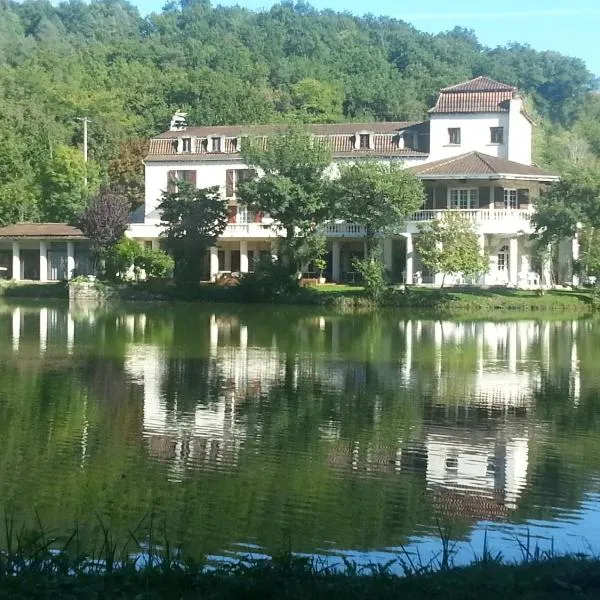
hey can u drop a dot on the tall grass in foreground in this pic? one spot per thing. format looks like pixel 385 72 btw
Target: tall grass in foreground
pixel 35 564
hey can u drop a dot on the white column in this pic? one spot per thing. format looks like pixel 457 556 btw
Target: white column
pixel 513 260
pixel 409 258
pixel 214 262
pixel 365 249
pixel 227 259
pixel 16 261
pixel 16 328
pixel 243 257
pixel 155 245
pixel 43 329
pixel 70 260
pixel 574 258
pixel 335 261
pixel 43 261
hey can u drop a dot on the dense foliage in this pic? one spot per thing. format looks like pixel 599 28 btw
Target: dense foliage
pixel 379 196
pixel 194 219
pixel 450 246
pixel 290 63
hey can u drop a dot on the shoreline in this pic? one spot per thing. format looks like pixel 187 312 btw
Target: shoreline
pixel 295 578
pixel 447 302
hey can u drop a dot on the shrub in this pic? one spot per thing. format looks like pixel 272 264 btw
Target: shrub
pixel 270 281
pixel 121 257
pixel 373 275
pixel 156 264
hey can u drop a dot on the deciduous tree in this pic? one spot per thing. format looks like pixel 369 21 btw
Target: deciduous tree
pixel 378 196
pixel 450 246
pixel 292 187
pixel 194 220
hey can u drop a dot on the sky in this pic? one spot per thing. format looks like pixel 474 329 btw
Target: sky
pixel 572 28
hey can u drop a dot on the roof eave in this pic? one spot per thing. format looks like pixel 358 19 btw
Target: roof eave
pixel 489 176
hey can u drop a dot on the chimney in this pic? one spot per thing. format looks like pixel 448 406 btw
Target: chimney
pixel 179 122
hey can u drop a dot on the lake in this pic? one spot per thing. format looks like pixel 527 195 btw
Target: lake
pixel 253 430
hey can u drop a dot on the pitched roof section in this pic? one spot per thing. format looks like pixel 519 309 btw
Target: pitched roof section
pixel 480 84
pixel 339 137
pixel 317 129
pixel 476 164
pixel 59 231
pixel 481 94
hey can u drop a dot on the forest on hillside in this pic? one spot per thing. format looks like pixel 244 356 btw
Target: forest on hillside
pixel 291 63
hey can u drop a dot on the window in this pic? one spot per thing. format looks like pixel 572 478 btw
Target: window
pixel 173 177
pixel 233 177
pixel 454 136
pixel 497 135
pixel 215 144
pixel 187 144
pixel 364 141
pixel 510 198
pixel 464 199
pixel 503 259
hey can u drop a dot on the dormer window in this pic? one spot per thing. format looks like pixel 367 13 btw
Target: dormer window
pixel 364 141
pixel 187 145
pixel 215 144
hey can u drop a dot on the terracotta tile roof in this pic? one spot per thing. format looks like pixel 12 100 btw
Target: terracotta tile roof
pixel 480 84
pixel 481 94
pixel 317 129
pixel 478 164
pixel 470 102
pixel 339 137
pixel 42 230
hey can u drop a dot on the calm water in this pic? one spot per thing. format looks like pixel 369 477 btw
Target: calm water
pixel 262 429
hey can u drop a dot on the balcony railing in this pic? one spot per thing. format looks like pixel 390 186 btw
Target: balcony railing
pixel 482 214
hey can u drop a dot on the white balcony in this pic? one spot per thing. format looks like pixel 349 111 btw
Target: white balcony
pixel 249 230
pixel 343 229
pixel 502 220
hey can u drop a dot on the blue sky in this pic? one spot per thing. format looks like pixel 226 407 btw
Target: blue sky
pixel 572 28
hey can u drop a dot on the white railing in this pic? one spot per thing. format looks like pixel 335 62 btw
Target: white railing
pixel 483 214
pixel 249 230
pixel 344 229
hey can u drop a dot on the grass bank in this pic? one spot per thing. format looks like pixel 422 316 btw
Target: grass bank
pixel 301 579
pixel 34 289
pixel 449 301
pixel 458 301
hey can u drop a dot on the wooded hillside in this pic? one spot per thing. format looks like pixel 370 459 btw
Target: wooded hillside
pixel 231 65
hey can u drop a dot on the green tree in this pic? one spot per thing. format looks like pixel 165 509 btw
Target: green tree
pixel 572 202
pixel 378 196
pixel 316 101
pixel 64 189
pixel 292 188
pixel 126 171
pixel 450 246
pixel 194 220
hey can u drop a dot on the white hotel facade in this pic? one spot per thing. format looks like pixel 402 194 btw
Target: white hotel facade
pixel 473 155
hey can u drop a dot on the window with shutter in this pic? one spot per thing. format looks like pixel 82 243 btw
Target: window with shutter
pixel 232 212
pixel 229 182
pixel 498 197
pixel 189 176
pixel 172 182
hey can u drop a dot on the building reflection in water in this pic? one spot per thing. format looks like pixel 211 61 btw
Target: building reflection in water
pixel 474 443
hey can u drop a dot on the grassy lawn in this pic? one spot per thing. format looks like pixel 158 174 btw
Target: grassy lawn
pixel 461 299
